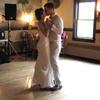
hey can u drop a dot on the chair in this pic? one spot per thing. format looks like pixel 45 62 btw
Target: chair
pixel 2 35
pixel 28 44
pixel 3 42
pixel 24 42
pixel 4 57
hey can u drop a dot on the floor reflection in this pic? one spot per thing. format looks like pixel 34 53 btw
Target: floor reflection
pixel 28 83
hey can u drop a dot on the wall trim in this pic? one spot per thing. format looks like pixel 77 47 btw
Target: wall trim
pixel 71 29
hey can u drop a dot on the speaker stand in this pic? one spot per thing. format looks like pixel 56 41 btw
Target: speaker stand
pixel 10 45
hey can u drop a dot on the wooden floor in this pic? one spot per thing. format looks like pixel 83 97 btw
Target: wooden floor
pixel 81 81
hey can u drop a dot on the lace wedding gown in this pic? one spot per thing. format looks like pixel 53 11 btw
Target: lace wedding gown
pixel 43 74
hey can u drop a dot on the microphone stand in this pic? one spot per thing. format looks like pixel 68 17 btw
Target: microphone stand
pixel 9 42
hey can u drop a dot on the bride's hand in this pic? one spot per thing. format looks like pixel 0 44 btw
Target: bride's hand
pixel 49 23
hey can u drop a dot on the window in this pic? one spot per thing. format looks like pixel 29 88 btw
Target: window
pixel 84 20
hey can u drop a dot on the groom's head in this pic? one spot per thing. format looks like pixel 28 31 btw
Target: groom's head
pixel 49 8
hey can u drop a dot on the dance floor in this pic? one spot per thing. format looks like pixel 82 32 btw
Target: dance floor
pixel 80 80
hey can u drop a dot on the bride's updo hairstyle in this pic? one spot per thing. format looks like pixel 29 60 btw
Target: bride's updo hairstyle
pixel 39 13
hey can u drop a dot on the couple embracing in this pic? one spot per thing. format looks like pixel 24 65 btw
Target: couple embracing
pixel 46 73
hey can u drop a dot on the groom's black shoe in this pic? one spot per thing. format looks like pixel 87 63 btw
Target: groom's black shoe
pixel 47 89
pixel 56 87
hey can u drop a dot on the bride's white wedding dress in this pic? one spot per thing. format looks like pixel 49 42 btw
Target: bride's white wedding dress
pixel 43 74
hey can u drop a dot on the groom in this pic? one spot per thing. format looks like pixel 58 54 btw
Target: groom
pixel 55 25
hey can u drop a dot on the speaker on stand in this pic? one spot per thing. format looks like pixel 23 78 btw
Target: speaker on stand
pixel 10 11
pixel 10 14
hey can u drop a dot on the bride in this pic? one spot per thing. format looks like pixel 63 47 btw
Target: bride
pixel 43 75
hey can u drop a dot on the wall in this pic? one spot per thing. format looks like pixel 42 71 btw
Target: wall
pixel 77 48
pixel 66 12
pixel 21 8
